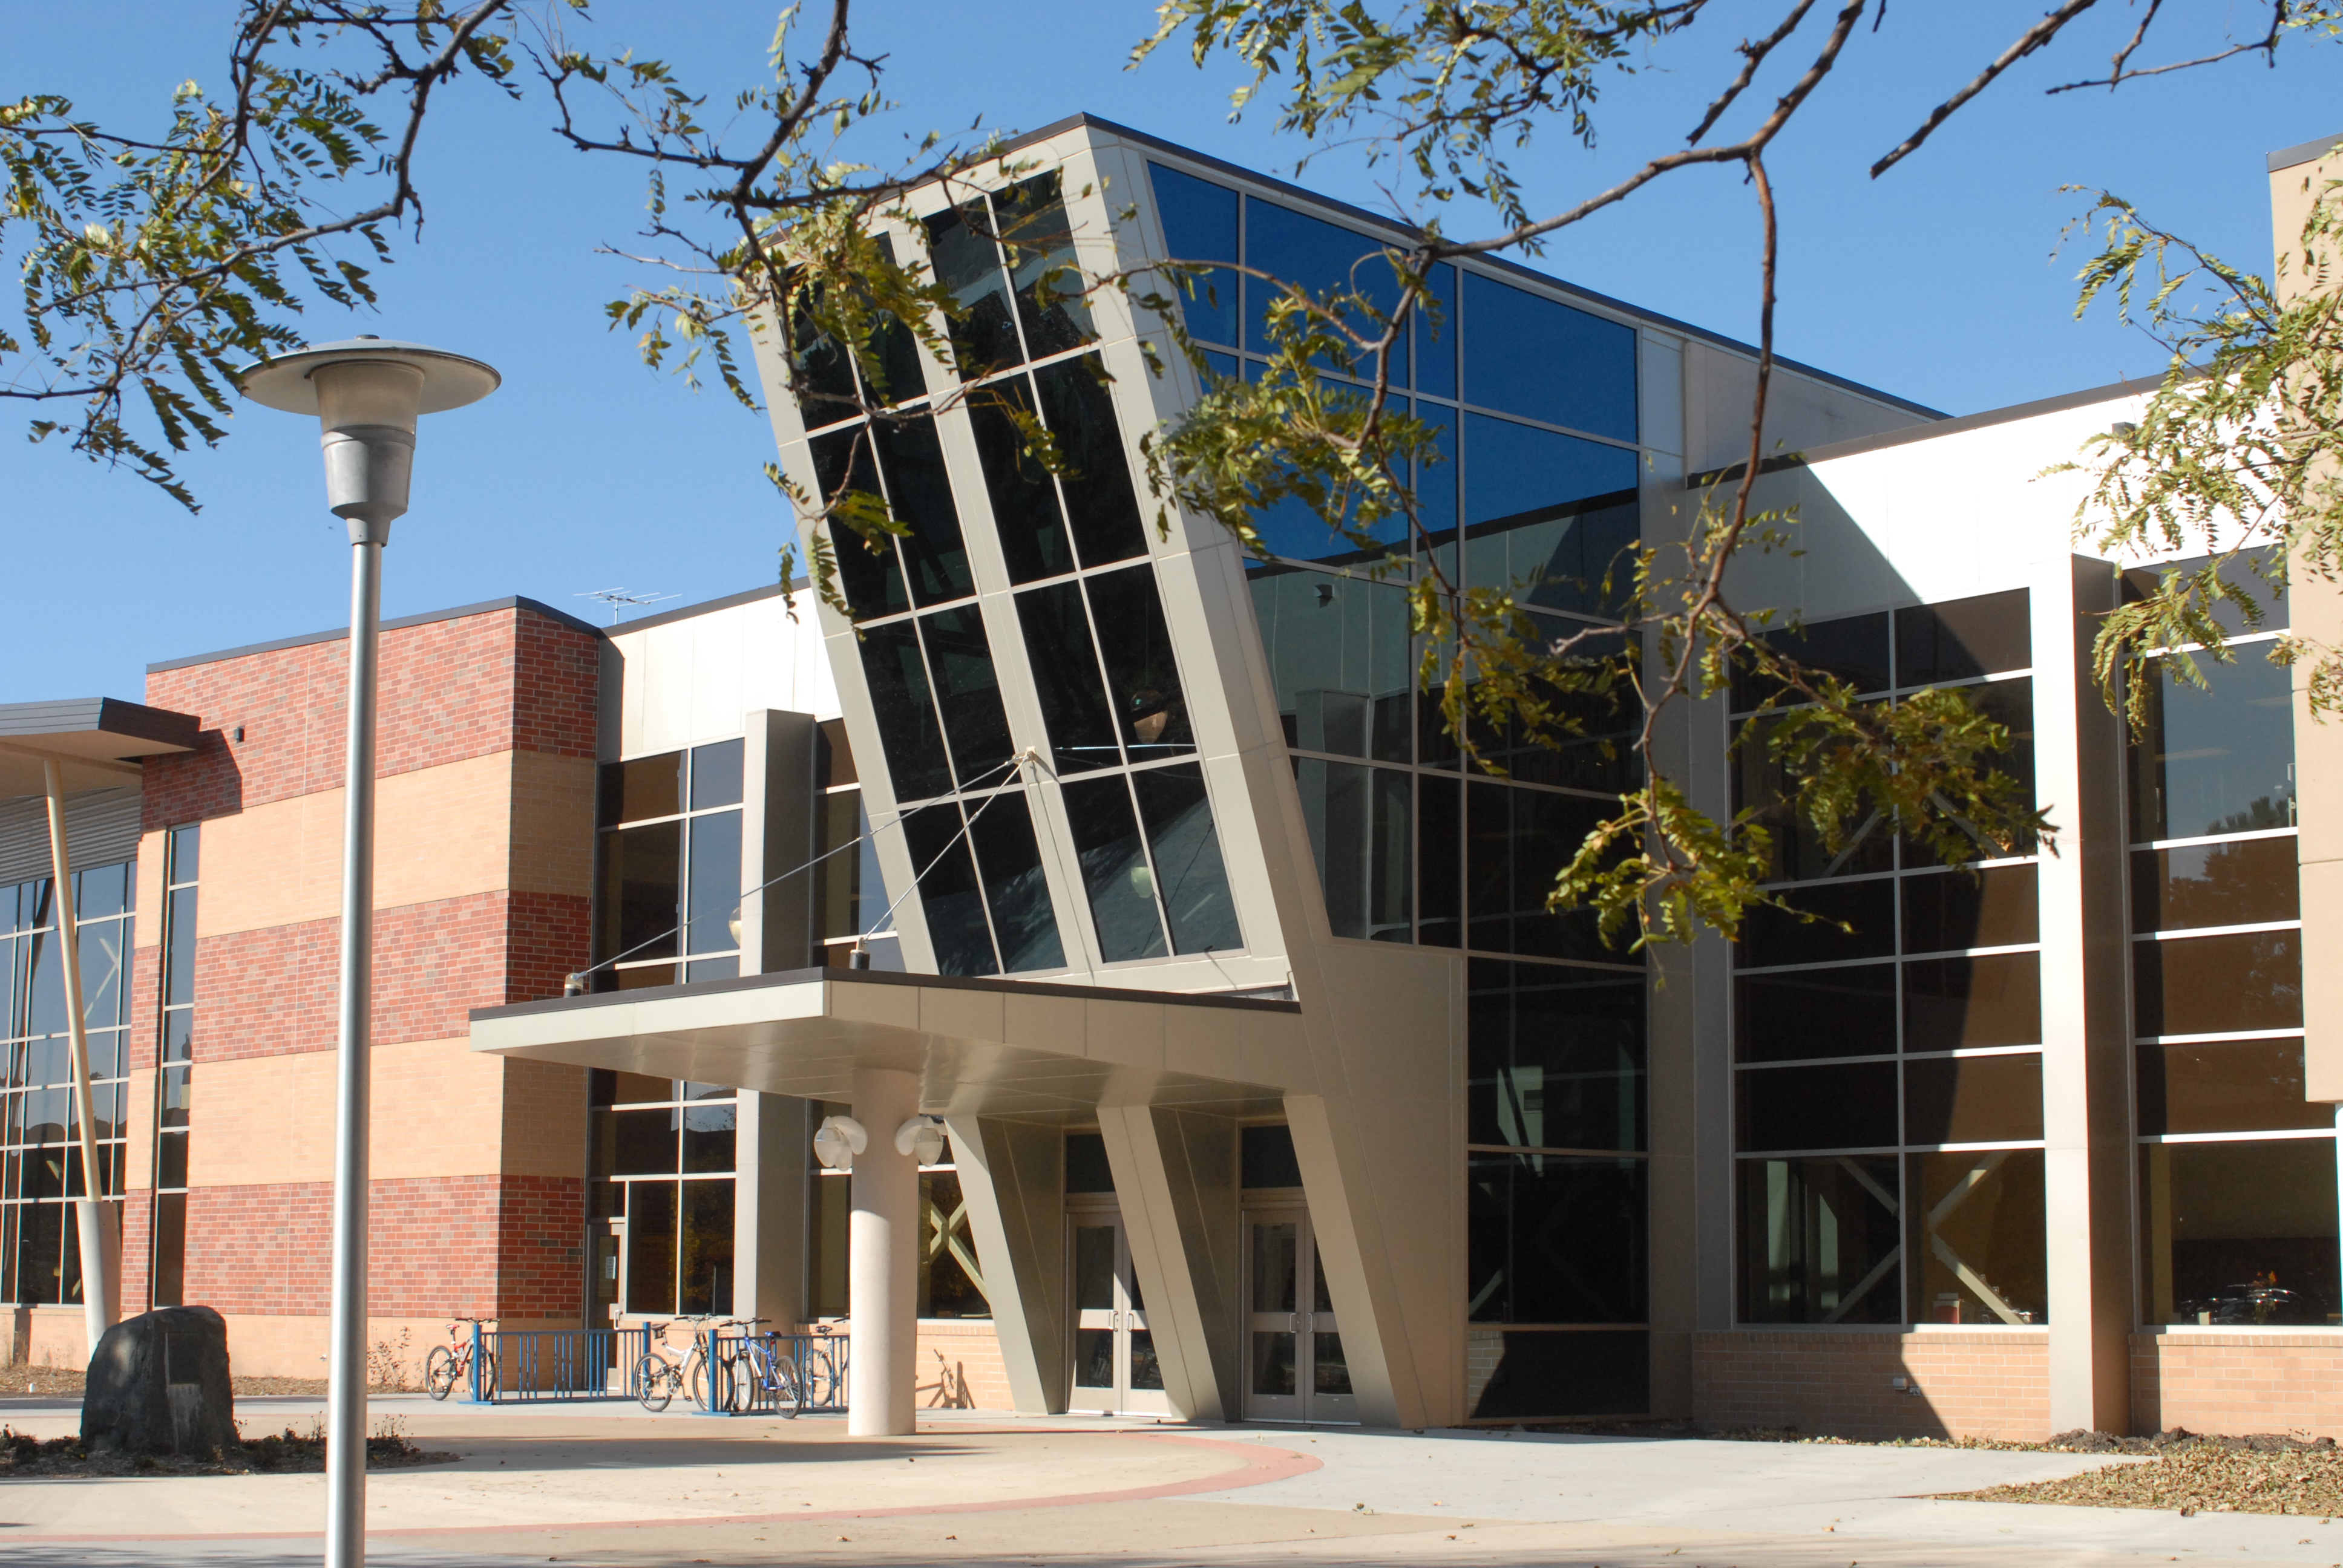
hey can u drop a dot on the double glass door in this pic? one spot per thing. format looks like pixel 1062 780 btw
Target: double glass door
pixel 1294 1368
pixel 1115 1367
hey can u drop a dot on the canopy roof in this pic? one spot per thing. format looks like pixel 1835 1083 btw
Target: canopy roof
pixel 98 739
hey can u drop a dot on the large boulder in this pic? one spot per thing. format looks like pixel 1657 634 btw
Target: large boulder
pixel 158 1384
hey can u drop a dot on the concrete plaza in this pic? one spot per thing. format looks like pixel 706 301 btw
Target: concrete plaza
pixel 607 1483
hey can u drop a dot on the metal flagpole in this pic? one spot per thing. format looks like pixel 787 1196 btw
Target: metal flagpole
pixel 92 1217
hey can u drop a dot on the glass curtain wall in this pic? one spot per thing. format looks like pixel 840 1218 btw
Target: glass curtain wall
pixel 669 845
pixel 2236 1171
pixel 1888 1076
pixel 40 1156
pixel 661 1154
pixel 850 895
pixel 1535 494
pixel 1085 603
pixel 175 1065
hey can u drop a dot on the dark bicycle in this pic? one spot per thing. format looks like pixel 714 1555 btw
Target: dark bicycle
pixel 451 1363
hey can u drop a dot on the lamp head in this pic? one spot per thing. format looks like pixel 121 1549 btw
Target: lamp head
pixel 367 393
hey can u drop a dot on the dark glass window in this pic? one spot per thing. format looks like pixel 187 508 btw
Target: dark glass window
pixel 650 1246
pixel 899 704
pixel 920 492
pixel 1074 707
pixel 1556 1057
pixel 2240 1233
pixel 1527 354
pixel 645 1141
pixel 1024 498
pixel 705 1273
pixel 644 787
pixel 1521 473
pixel 1977 1238
pixel 1200 224
pixel 1963 638
pixel 1086 1165
pixel 1992 908
pixel 1100 504
pixel 1360 831
pixel 869 574
pixel 1579 559
pixel 2232 1086
pixel 1438 848
pixel 1972 1099
pixel 1339 655
pixel 1820 1240
pixel 2010 703
pixel 2217 761
pixel 1773 936
pixel 1320 257
pixel 1763 785
pixel 1949 1003
pixel 948 893
pixel 1556 1238
pixel 1848 1106
pixel 1547 832
pixel 186 849
pixel 716 774
pixel 1014 886
pixel 1189 874
pixel 714 908
pixel 1116 872
pixel 960 659
pixel 1848 1011
pixel 2217 985
pixel 709 1132
pixel 1143 676
pixel 1039 239
pixel 642 870
pixel 1578 1372
pixel 1854 648
pixel 2245 882
pixel 1265 1157
pixel 968 262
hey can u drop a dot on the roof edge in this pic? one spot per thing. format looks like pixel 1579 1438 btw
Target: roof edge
pixel 707 606
pixel 2303 153
pixel 486 606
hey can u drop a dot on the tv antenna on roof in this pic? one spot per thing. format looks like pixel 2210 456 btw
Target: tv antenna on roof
pixel 619 599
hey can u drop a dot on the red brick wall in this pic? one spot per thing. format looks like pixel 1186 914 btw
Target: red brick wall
pixel 274 990
pixel 2234 1383
pixel 1839 1383
pixel 480 1246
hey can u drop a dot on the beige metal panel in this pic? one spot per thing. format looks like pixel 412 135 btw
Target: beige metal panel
pixel 1126 1034
pixel 1182 1224
pixel 1010 1175
pixel 1051 1023
pixel 2317 613
pixel 2086 1031
pixel 769 1242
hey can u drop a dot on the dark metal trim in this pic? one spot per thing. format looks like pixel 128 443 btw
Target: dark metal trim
pixel 98 715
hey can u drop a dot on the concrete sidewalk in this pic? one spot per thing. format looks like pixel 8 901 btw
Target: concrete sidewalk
pixel 615 1485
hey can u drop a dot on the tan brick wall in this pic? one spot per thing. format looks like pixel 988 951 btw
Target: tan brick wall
pixel 1840 1384
pixel 961 1366
pixel 2235 1383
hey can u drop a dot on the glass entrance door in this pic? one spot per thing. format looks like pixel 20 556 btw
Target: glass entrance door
pixel 1295 1367
pixel 1115 1368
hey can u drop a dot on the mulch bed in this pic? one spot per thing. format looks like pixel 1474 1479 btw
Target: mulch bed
pixel 289 1453
pixel 2188 1473
pixel 67 1382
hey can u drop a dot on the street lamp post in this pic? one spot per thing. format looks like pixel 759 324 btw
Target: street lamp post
pixel 366 394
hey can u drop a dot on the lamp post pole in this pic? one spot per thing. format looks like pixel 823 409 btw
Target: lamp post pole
pixel 366 394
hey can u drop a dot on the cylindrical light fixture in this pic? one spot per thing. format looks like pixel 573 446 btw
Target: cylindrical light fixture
pixel 367 395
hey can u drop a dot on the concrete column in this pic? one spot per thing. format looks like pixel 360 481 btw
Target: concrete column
pixel 1175 1180
pixel 2086 1031
pixel 1012 1174
pixel 882 1271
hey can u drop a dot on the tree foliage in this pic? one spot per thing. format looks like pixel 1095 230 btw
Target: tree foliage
pixel 152 266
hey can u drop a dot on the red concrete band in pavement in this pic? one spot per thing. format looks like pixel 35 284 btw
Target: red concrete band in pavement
pixel 1261 1464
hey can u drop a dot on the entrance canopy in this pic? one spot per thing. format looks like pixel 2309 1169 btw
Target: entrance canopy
pixel 97 739
pixel 979 1047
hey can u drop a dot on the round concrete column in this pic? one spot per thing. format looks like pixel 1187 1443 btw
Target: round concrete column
pixel 882 1277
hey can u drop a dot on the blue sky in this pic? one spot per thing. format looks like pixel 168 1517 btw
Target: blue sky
pixel 1938 282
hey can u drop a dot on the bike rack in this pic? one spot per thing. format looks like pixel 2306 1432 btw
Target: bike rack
pixel 803 1350
pixel 534 1364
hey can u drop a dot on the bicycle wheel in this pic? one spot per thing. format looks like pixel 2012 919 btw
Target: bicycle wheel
pixel 723 1382
pixel 439 1372
pixel 787 1387
pixel 823 1384
pixel 654 1382
pixel 693 1378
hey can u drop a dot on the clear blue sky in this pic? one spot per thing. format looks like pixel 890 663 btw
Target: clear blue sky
pixel 586 471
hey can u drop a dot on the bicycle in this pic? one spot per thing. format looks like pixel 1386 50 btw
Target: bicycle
pixel 661 1374
pixel 821 1366
pixel 756 1363
pixel 451 1363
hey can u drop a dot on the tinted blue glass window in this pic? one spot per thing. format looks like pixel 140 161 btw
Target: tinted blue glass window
pixel 1518 471
pixel 1317 257
pixel 899 704
pixel 1225 365
pixel 1526 354
pixel 1114 870
pixel 1339 658
pixel 1200 224
pixel 1014 887
pixel 1435 343
pixel 1436 481
pixel 948 891
pixel 1188 871
pixel 1562 562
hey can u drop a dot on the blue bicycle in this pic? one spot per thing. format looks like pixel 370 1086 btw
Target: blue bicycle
pixel 756 1370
